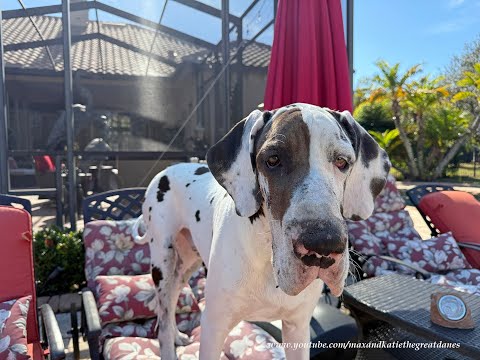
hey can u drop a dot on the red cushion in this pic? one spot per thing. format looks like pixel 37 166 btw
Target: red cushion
pixel 458 212
pixel 16 262
pixel 44 164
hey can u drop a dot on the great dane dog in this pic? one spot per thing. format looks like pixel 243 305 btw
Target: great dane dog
pixel 267 217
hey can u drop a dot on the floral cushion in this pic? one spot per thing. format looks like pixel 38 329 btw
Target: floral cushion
pixel 398 223
pixel 110 250
pixel 246 341
pixel 434 255
pixel 197 283
pixel 13 328
pixel 375 266
pixel 147 328
pixel 124 297
pixel 390 198
pixel 455 283
pixel 363 239
pixel 465 276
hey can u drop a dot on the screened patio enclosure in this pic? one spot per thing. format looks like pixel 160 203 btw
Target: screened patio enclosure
pixel 126 86
pixel 152 79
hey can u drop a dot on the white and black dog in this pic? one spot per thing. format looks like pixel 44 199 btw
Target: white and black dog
pixel 267 217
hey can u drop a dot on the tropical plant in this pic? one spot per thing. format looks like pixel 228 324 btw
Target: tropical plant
pixel 390 85
pixel 374 116
pixel 470 90
pixel 391 142
pixel 433 123
pixel 421 96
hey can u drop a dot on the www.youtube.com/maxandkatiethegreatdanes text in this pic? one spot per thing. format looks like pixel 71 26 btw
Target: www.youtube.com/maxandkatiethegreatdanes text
pixel 369 345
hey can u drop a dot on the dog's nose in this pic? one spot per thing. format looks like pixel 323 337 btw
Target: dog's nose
pixel 319 242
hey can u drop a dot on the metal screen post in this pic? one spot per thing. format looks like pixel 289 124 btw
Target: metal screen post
pixel 68 93
pixel 350 41
pixel 225 57
pixel 4 178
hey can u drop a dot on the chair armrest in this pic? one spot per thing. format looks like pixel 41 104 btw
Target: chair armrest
pixel 52 331
pixel 418 271
pixel 468 245
pixel 93 323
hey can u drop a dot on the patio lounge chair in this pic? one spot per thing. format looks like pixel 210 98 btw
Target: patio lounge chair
pixel 444 209
pixel 105 336
pixel 18 303
pixel 388 244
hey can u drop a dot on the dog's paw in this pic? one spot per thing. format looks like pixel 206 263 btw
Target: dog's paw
pixel 182 339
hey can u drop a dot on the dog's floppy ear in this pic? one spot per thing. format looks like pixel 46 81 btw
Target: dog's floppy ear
pixel 230 162
pixel 369 172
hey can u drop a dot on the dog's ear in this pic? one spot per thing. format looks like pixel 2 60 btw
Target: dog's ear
pixel 230 161
pixel 369 172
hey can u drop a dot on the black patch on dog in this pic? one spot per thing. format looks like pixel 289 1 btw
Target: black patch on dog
pixel 267 116
pixel 221 156
pixel 352 130
pixel 197 215
pixel 362 142
pixel 211 200
pixel 187 185
pixel 369 149
pixel 337 115
pixel 157 275
pixel 202 170
pixel 150 209
pixel 256 215
pixel 205 267
pixel 163 187
pixel 386 163
pixel 376 186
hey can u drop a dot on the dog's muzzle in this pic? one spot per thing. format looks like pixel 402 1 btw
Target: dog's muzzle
pixel 321 243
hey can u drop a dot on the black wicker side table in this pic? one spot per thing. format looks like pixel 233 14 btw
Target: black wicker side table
pixel 403 303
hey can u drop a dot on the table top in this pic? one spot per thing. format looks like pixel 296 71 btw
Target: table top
pixel 404 302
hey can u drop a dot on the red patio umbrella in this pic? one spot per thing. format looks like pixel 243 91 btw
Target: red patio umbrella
pixel 309 58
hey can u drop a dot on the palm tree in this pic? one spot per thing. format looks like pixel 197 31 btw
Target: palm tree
pixel 391 85
pixel 420 97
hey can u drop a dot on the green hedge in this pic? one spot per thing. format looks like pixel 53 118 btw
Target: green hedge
pixel 59 261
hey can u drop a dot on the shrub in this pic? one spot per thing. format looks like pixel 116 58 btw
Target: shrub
pixel 59 261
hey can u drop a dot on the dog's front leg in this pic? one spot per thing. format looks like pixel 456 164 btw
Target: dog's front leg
pixel 296 334
pixel 216 323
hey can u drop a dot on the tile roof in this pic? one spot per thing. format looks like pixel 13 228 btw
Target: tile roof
pixel 130 59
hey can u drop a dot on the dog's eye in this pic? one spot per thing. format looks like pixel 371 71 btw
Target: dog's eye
pixel 273 161
pixel 341 163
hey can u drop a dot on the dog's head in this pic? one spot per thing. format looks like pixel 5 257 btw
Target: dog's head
pixel 309 168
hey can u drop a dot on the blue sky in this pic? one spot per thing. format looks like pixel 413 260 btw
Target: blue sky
pixel 405 31
pixel 412 31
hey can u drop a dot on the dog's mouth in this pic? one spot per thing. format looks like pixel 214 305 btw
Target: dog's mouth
pixel 328 267
pixel 312 258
